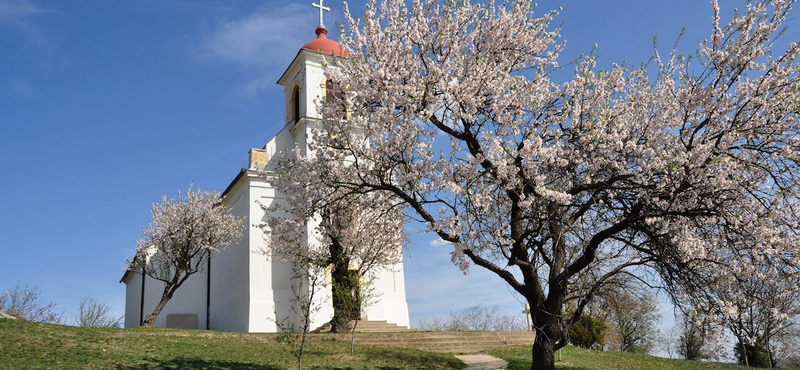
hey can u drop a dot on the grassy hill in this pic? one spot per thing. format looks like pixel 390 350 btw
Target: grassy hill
pixel 574 358
pixel 27 345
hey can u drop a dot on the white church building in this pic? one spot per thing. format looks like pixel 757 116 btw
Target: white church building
pixel 241 289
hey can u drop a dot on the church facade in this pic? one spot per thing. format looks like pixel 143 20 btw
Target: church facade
pixel 241 289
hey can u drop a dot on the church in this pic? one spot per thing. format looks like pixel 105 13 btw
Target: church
pixel 240 289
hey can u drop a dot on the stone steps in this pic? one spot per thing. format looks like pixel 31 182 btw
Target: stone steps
pixel 367 327
pixel 449 342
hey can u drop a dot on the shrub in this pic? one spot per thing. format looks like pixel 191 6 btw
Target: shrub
pixel 588 332
pixel 753 354
pixel 24 303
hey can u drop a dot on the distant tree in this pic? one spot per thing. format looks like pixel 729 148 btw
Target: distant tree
pixel 95 314
pixel 508 322
pixel 432 324
pixel 695 339
pixel 23 302
pixel 668 341
pixel 787 353
pixel 588 332
pixel 474 318
pixel 179 241
pixel 792 362
pixel 480 318
pixel 758 306
pixel 758 310
pixel 460 111
pixel 634 318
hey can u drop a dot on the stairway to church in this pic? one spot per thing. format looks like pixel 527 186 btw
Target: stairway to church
pixel 448 342
pixel 366 327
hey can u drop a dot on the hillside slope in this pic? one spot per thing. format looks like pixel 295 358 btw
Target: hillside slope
pixel 27 345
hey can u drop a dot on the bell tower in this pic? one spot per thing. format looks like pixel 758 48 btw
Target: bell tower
pixel 304 81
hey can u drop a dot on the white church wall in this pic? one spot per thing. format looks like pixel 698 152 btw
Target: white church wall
pixel 324 300
pixel 230 269
pixel 315 83
pixel 189 299
pixel 390 305
pixel 271 291
pixel 263 277
pixel 133 295
pixel 324 294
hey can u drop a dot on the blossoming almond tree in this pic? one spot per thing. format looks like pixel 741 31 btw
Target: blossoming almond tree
pixel 179 242
pixel 451 108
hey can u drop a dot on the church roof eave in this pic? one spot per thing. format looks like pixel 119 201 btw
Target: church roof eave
pixel 285 75
pixel 236 179
pixel 128 271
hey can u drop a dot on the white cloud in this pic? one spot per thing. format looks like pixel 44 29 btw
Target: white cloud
pixel 269 37
pixel 439 243
pixel 14 9
pixel 20 88
pixel 18 14
pixel 263 43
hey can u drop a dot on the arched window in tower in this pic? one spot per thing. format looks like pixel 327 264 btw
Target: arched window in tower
pixel 333 90
pixel 334 93
pixel 296 105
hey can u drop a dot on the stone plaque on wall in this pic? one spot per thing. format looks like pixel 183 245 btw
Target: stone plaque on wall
pixel 182 321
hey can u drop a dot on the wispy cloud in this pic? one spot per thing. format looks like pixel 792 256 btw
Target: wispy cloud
pixel 263 43
pixel 439 243
pixel 269 37
pixel 19 15
pixel 23 89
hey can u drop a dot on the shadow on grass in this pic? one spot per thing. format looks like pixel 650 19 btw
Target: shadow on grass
pixel 194 363
pixel 425 360
pixel 517 364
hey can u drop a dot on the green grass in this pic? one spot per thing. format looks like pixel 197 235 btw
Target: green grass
pixel 26 345
pixel 573 358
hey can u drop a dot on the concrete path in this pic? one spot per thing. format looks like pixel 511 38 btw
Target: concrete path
pixel 483 362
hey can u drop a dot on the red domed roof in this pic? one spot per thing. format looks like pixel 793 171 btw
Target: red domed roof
pixel 324 45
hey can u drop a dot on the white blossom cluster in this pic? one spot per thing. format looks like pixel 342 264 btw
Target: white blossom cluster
pixel 368 227
pixel 183 234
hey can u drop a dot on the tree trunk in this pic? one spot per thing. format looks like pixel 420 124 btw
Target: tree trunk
pixel 169 290
pixel 353 337
pixel 340 323
pixel 341 289
pixel 550 331
pixel 150 320
pixel 543 353
pixel 343 300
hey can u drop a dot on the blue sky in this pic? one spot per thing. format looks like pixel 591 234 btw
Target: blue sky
pixel 107 105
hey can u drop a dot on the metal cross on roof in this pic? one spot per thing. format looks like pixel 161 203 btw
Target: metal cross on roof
pixel 321 8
